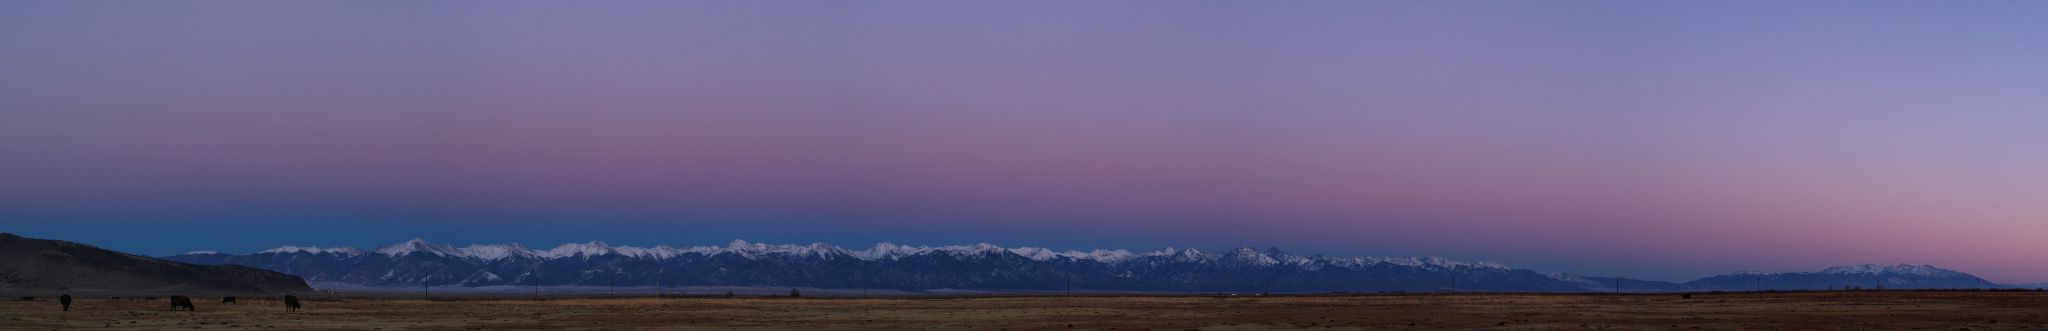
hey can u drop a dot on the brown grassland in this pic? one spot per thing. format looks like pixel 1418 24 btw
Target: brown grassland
pixel 1729 311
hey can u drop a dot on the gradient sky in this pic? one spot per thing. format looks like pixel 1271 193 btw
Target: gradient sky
pixel 1649 139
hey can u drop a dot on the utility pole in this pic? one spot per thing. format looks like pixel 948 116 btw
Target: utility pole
pixel 1454 280
pixel 1617 285
pixel 860 279
pixel 1069 271
pixel 423 287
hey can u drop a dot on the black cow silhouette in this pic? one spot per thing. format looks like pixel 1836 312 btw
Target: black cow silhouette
pixel 182 301
pixel 1685 296
pixel 291 303
pixel 66 300
pixel 227 300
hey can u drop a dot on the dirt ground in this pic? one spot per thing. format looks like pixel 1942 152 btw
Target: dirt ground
pixel 1765 311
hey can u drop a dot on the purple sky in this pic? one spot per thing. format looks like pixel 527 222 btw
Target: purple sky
pixel 1663 140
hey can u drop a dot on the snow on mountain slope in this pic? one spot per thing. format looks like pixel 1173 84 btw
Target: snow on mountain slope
pixel 1252 256
pixel 593 248
pixel 885 265
pixel 496 252
pixel 313 250
pixel 417 245
pixel 880 251
pixel 986 265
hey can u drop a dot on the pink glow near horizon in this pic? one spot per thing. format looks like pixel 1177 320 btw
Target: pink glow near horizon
pixel 1665 140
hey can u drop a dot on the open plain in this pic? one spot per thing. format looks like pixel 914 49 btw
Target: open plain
pixel 1715 311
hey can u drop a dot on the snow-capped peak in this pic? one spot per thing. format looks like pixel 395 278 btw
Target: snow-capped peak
pixel 972 250
pixel 1035 253
pixel 417 245
pixel 201 253
pixel 592 248
pixel 312 250
pixel 1252 256
pixel 738 245
pixel 1100 255
pixel 1284 257
pixel 496 252
pixel 756 250
pixel 885 250
pixel 658 252
pixel 881 251
pixel 1188 255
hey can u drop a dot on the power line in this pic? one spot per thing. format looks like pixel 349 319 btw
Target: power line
pixel 1454 279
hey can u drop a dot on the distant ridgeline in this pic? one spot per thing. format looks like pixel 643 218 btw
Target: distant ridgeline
pixel 1867 276
pixel 977 267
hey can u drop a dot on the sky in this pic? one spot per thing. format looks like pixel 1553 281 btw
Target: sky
pixel 1649 139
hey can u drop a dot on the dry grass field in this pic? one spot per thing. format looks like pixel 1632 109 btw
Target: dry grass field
pixel 1733 311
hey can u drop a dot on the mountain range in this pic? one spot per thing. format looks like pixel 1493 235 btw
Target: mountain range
pixel 989 267
pixel 29 265
pixel 1865 276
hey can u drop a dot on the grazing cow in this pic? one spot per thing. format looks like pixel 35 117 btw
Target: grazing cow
pixel 1685 296
pixel 182 301
pixel 291 303
pixel 28 298
pixel 66 300
pixel 227 300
